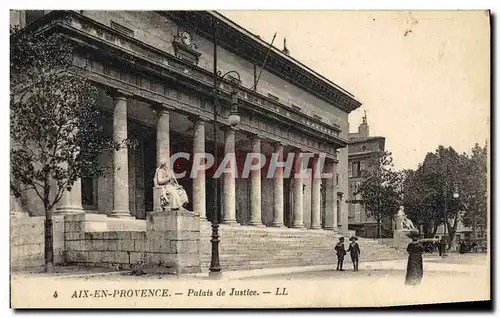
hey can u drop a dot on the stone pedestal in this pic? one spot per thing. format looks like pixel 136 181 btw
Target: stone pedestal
pixel 96 222
pixel 173 241
pixel 157 191
pixel 401 239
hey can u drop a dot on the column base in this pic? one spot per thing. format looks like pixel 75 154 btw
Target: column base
pixel 330 228
pixel 315 227
pixel 256 224
pixel 298 226
pixel 278 225
pixel 68 210
pixel 229 222
pixel 121 215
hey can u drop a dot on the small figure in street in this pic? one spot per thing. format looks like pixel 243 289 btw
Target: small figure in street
pixel 355 252
pixel 340 249
pixel 442 246
pixel 462 248
pixel 414 269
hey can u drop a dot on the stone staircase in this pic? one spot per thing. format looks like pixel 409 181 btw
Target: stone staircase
pixel 246 247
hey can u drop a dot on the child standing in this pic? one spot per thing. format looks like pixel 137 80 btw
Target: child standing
pixel 355 251
pixel 340 249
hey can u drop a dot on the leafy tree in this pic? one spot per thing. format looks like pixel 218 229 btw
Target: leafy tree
pixel 422 200
pixel 380 188
pixel 56 137
pixel 447 182
pixel 473 188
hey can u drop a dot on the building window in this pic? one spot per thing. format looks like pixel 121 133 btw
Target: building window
pixel 355 169
pixel 122 29
pixel 362 166
pixel 349 169
pixel 337 177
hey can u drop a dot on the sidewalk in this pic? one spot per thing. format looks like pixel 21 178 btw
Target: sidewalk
pixel 432 263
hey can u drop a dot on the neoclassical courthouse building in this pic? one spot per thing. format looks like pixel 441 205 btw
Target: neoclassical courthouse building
pixel 155 71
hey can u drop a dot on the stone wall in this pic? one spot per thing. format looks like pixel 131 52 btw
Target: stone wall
pixel 27 240
pixel 117 249
pixel 170 243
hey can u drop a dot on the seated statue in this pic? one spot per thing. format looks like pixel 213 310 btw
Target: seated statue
pixel 408 224
pixel 402 222
pixel 173 196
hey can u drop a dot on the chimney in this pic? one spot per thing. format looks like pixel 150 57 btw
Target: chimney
pixel 285 50
pixel 363 129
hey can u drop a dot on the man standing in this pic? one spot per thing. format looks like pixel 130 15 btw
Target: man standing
pixel 355 251
pixel 340 249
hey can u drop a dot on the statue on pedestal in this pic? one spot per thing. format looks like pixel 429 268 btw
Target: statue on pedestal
pixel 171 195
pixel 402 222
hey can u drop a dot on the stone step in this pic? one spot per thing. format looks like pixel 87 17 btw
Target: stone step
pixel 245 247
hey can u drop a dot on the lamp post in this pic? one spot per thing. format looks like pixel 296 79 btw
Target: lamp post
pixel 455 196
pixel 233 119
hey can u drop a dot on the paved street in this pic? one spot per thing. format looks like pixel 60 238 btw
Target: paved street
pixel 454 278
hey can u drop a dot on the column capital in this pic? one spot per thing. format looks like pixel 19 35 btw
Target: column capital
pixel 254 136
pixel 118 93
pixel 195 118
pixel 160 107
pixel 227 128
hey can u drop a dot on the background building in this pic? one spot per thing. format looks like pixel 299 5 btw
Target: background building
pixel 362 149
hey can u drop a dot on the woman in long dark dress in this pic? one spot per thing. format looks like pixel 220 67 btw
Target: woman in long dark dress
pixel 414 269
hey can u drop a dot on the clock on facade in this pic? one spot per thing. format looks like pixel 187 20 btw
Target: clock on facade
pixel 186 38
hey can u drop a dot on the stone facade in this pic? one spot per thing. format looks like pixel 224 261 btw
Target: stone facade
pixel 159 91
pixel 362 149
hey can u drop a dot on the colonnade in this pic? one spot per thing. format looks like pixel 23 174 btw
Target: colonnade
pixel 71 200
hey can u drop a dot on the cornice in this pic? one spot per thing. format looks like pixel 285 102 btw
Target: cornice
pixel 138 56
pixel 232 38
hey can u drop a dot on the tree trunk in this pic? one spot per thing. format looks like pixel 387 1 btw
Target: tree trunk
pixel 434 228
pixel 378 226
pixel 49 244
pixel 48 229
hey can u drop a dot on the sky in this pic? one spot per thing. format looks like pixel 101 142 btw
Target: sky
pixel 423 76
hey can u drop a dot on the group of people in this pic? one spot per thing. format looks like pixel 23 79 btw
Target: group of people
pixel 353 249
pixel 415 249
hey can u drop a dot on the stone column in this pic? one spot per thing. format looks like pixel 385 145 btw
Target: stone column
pixel 298 194
pixel 120 158
pixel 334 194
pixel 71 201
pixel 278 215
pixel 330 197
pixel 255 191
pixel 316 194
pixel 229 182
pixel 162 134
pixel 162 144
pixel 199 191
